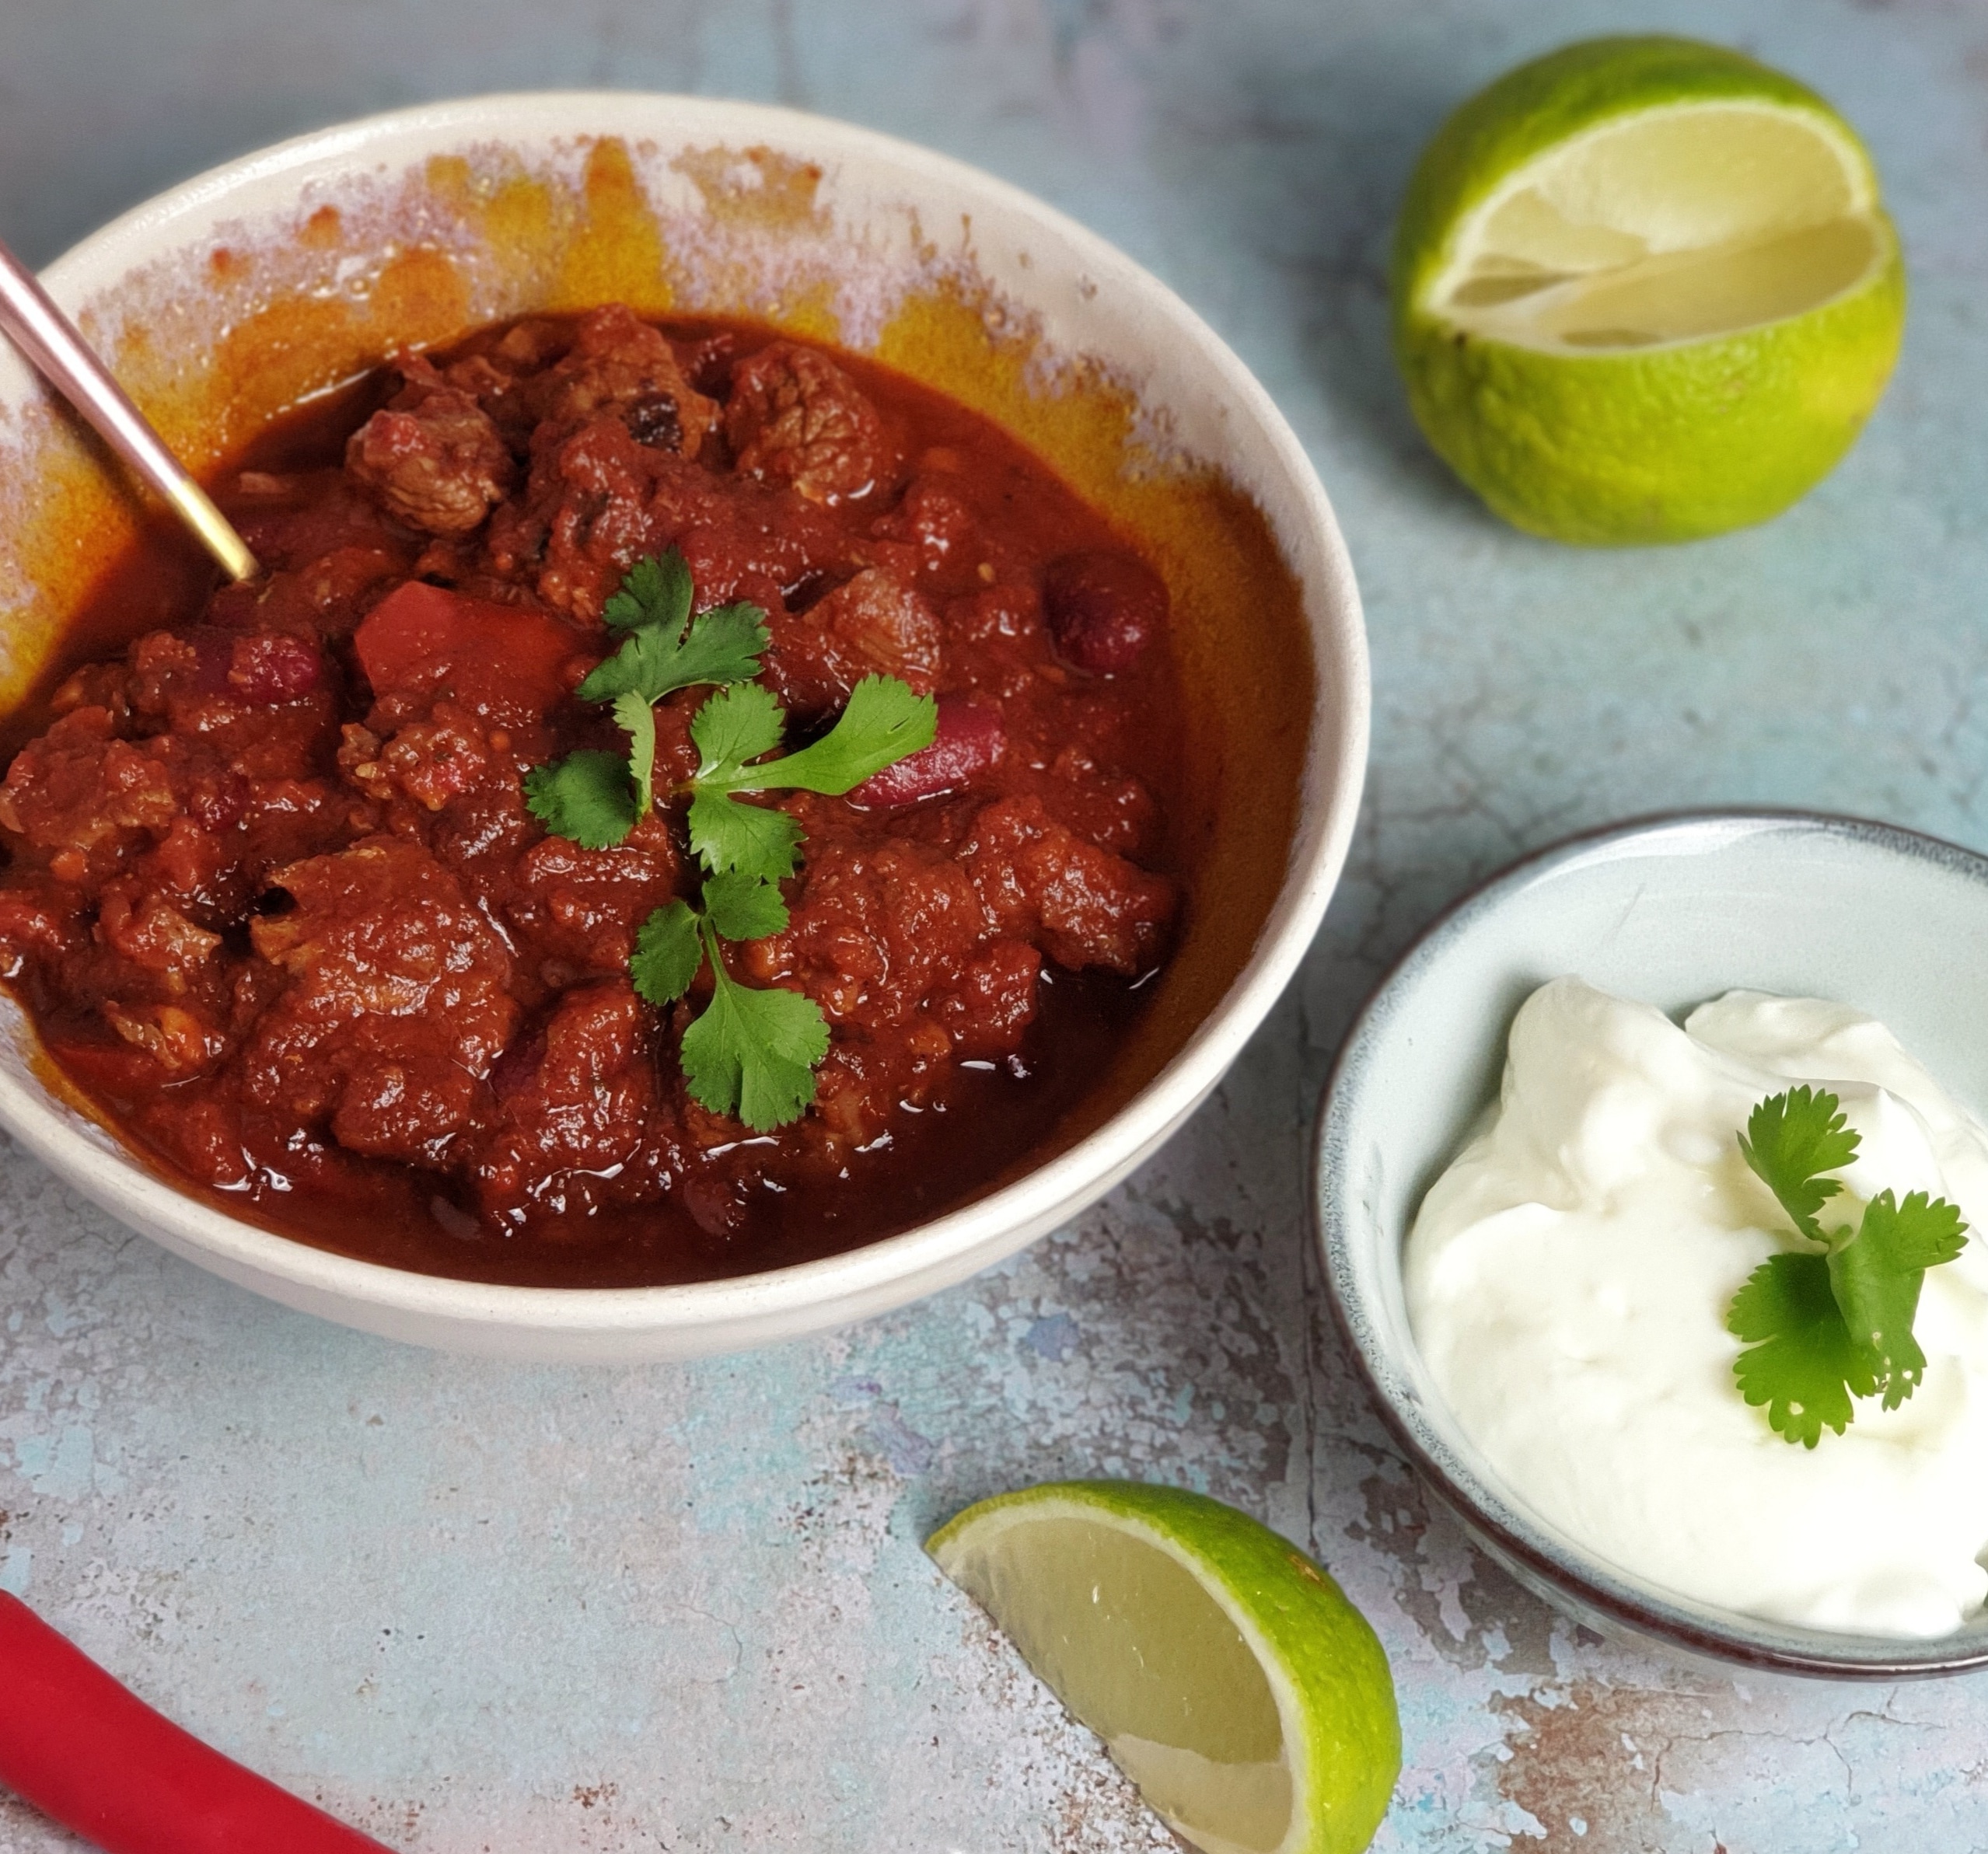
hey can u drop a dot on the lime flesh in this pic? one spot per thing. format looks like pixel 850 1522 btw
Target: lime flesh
pixel 1227 1675
pixel 1645 290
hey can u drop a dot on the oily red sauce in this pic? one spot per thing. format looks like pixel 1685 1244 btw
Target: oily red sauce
pixel 274 901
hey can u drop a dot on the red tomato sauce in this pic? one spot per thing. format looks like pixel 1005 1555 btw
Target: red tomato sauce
pixel 275 904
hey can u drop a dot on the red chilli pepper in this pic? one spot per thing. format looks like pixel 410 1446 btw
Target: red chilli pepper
pixel 84 1751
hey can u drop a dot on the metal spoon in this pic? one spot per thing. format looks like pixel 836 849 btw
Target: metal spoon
pixel 60 354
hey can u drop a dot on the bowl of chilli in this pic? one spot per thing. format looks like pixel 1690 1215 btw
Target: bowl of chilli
pixel 427 935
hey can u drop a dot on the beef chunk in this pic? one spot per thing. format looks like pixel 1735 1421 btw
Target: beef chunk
pixel 986 1008
pixel 894 944
pixel 34 924
pixel 432 458
pixel 80 788
pixel 872 932
pixel 140 925
pixel 598 501
pixel 874 625
pixel 795 417
pixel 936 529
pixel 395 1006
pixel 584 906
pixel 620 365
pixel 1082 905
pixel 575 1101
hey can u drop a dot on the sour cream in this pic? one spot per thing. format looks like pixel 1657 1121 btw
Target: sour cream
pixel 1568 1278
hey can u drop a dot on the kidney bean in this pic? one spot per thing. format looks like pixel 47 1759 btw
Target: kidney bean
pixel 970 739
pixel 1103 610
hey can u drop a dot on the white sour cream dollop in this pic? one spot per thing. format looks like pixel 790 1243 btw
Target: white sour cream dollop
pixel 1568 1278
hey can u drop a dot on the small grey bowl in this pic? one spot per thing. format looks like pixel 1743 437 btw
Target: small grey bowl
pixel 1670 910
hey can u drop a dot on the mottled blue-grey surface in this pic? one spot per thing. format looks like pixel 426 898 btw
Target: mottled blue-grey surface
pixel 480 1607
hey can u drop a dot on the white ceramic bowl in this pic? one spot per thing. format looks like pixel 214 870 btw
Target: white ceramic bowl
pixel 1669 911
pixel 230 295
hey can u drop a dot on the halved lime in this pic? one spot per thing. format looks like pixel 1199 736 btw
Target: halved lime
pixel 1227 1673
pixel 1644 290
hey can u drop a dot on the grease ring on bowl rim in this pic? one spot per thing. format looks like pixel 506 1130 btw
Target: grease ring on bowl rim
pixel 1657 896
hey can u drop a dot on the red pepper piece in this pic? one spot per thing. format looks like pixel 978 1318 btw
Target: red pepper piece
pixel 506 661
pixel 95 1757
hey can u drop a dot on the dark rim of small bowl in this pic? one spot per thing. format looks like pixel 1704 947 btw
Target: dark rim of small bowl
pixel 1688 1627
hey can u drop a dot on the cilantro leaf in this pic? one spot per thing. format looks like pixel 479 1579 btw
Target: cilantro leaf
pixel 753 1053
pixel 723 645
pixel 884 721
pixel 738 723
pixel 668 952
pixel 640 664
pixel 1791 1138
pixel 1822 1329
pixel 632 711
pixel 655 591
pixel 744 906
pixel 586 796
pixel 754 839
pixel 1800 1363
pixel 1875 1278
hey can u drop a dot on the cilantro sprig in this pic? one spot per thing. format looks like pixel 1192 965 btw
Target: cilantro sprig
pixel 752 1053
pixel 596 798
pixel 884 721
pixel 1825 1326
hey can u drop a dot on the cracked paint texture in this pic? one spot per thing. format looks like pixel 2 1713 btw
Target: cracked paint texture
pixel 472 1606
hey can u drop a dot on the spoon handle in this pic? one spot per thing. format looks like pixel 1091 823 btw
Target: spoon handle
pixel 51 342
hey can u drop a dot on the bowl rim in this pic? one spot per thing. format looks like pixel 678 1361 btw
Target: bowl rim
pixel 1578 1581
pixel 777 1302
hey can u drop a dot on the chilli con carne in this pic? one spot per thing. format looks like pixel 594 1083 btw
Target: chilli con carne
pixel 275 897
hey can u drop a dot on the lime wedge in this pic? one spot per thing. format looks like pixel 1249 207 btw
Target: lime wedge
pixel 1645 289
pixel 1227 1675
